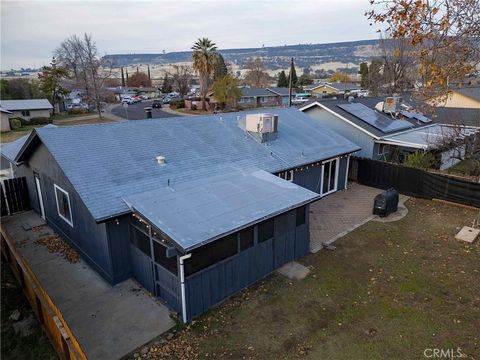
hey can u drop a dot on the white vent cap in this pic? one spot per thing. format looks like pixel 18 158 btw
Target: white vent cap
pixel 160 159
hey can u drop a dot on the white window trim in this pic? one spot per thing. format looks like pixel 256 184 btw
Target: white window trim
pixel 69 222
pixel 291 175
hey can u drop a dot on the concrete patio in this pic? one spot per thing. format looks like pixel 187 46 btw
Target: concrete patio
pixel 108 322
pixel 337 214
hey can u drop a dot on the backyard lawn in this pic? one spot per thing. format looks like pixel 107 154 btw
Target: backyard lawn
pixel 389 291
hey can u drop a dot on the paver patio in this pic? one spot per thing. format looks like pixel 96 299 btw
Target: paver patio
pixel 339 213
pixel 108 322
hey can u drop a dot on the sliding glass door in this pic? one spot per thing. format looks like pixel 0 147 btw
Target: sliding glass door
pixel 329 176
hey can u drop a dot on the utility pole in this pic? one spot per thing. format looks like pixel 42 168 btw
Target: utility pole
pixel 148 68
pixel 123 78
pixel 290 84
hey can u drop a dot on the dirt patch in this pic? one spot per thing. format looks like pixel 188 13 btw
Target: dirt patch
pixel 56 245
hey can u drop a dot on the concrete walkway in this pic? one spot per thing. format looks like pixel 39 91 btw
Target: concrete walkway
pixel 338 214
pixel 108 322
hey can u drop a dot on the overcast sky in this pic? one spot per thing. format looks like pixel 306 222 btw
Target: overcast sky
pixel 30 30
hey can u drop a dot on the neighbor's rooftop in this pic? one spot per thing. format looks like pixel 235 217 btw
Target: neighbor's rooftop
pixel 33 104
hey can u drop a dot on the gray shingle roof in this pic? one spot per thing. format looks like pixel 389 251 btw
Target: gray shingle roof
pixel 256 92
pixel 196 212
pixel 281 91
pixel 368 101
pixel 33 104
pixel 106 162
pixel 472 92
pixel 457 116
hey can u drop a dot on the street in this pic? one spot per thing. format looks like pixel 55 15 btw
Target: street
pixel 137 111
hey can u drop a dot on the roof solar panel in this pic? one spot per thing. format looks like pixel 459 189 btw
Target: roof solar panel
pixel 374 118
pixel 422 118
pixel 413 114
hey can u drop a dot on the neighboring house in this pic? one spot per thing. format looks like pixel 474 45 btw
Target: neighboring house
pixel 385 135
pixel 329 89
pixel 283 93
pixel 256 97
pixel 457 116
pixel 28 109
pixel 5 122
pixel 194 208
pixel 464 97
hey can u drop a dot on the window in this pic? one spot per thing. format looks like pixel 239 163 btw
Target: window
pixel 382 149
pixel 264 99
pixel 211 253
pixel 140 240
pixel 63 204
pixel 286 175
pixel 246 238
pixel 25 112
pixel 160 256
pixel 301 215
pixel 265 230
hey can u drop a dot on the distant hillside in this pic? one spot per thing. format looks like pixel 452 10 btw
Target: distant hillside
pixel 277 57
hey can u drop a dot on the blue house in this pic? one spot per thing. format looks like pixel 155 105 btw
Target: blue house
pixel 194 208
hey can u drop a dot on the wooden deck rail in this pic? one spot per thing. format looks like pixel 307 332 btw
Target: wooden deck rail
pixel 48 315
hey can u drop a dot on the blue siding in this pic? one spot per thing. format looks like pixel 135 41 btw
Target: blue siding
pixel 142 268
pixel 119 246
pixel 86 236
pixel 342 173
pixel 355 135
pixel 216 283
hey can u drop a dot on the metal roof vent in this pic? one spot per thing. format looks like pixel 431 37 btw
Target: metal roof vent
pixel 160 159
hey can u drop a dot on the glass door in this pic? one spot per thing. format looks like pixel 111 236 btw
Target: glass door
pixel 329 176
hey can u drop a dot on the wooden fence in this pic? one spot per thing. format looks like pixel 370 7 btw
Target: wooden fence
pixel 48 315
pixel 14 196
pixel 414 182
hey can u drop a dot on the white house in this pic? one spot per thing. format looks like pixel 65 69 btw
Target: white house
pixel 28 109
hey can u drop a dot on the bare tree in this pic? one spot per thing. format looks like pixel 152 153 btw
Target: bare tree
pixel 90 71
pixel 256 75
pixel 399 64
pixel 182 78
pixel 443 34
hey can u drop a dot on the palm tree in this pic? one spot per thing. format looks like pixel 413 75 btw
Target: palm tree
pixel 204 59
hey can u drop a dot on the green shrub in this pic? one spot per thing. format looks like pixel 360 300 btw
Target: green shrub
pixel 37 121
pixel 177 104
pixel 421 160
pixel 77 111
pixel 15 123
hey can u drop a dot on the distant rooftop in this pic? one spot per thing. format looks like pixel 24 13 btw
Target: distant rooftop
pixel 471 92
pixel 33 104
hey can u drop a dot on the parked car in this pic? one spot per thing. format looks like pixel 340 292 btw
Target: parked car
pixel 156 104
pixel 127 100
pixel 144 97
pixel 167 99
pixel 137 99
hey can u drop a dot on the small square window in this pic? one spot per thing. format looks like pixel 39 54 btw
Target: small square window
pixel 63 205
pixel 265 230
pixel 25 112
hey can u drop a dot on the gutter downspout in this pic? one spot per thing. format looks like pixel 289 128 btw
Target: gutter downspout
pixel 182 286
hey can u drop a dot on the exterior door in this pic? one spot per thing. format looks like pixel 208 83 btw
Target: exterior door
pixel 40 197
pixel 329 176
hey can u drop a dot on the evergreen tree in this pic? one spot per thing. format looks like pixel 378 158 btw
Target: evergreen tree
pixel 364 73
pixel 123 78
pixel 167 84
pixel 282 80
pixel 220 68
pixel 293 73
pixel 51 79
pixel 149 76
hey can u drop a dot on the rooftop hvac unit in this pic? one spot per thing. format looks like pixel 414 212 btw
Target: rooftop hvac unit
pixel 261 123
